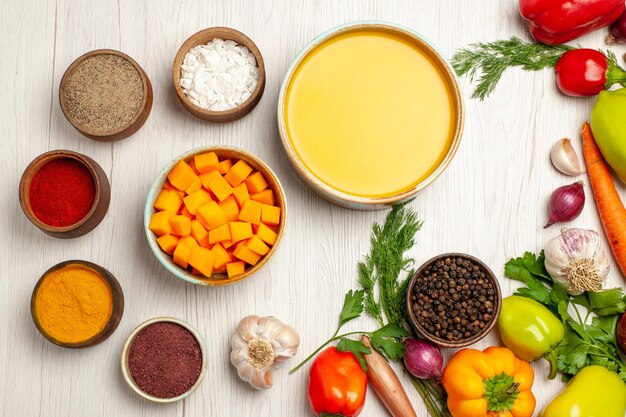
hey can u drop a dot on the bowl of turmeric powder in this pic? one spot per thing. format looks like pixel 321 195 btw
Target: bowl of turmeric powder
pixel 77 304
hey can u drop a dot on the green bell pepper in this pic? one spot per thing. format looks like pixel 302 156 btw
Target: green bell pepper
pixel 530 330
pixel 594 392
pixel 608 124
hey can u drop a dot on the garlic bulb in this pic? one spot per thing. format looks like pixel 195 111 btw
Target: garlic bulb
pixel 576 259
pixel 565 159
pixel 257 345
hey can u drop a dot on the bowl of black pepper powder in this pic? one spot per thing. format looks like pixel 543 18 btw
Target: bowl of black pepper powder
pixel 106 95
pixel 453 300
pixel 164 360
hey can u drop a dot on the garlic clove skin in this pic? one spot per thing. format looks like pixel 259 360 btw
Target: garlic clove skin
pixel 565 159
pixel 258 345
pixel 576 259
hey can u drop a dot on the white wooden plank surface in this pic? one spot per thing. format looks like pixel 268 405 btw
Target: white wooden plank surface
pixel 491 202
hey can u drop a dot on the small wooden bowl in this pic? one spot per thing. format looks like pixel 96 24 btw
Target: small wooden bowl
pixel 129 128
pixel 223 152
pixel 100 204
pixel 126 371
pixel 416 324
pixel 116 313
pixel 202 38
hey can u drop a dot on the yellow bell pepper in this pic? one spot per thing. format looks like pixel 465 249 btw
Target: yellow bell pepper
pixel 491 383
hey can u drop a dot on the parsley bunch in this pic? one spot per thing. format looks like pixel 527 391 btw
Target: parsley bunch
pixel 590 334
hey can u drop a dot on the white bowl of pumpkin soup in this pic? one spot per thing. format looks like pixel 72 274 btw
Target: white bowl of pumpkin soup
pixel 369 114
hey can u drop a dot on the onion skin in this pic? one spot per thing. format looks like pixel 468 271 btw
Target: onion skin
pixel 617 31
pixel 386 384
pixel 621 333
pixel 422 359
pixel 566 203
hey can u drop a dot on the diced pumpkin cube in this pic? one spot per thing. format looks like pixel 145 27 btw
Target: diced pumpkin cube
pixel 207 178
pixel 240 231
pixel 167 185
pixel 227 243
pixel 235 268
pixel 198 232
pixel 231 208
pixel 241 194
pixel 224 166
pixel 168 243
pixel 160 223
pixel 181 254
pixel 270 215
pixel 220 187
pixel 256 245
pixel 238 173
pixel 206 162
pixel 195 271
pixel 211 216
pixel 192 164
pixel 205 242
pixel 182 176
pixel 251 212
pixel 245 254
pixel 188 241
pixel 222 257
pixel 264 197
pixel 266 234
pixel 256 183
pixel 202 259
pixel 197 199
pixel 195 186
pixel 181 225
pixel 219 234
pixel 168 200
pixel 183 210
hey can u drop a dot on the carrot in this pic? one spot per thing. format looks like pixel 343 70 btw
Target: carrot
pixel 610 206
pixel 386 384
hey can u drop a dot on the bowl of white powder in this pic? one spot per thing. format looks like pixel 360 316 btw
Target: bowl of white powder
pixel 219 75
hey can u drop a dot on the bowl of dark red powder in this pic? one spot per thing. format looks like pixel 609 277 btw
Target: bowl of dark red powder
pixel 453 300
pixel 164 360
pixel 64 193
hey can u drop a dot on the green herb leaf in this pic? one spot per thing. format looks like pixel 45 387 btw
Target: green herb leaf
pixel 352 306
pixel 388 341
pixel 486 62
pixel 607 302
pixel 356 347
pixel 391 330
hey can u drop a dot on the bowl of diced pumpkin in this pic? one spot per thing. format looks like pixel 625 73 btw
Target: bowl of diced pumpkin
pixel 215 215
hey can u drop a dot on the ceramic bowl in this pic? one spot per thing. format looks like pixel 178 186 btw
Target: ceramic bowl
pixel 124 360
pixel 223 152
pixel 202 38
pixel 116 312
pixel 416 322
pixel 100 204
pixel 123 131
pixel 349 200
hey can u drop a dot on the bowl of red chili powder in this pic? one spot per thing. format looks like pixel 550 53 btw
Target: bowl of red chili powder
pixel 64 193
pixel 164 360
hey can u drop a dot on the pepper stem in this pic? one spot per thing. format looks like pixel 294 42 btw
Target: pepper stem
pixel 551 358
pixel 501 391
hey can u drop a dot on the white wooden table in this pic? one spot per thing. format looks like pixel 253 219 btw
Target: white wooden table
pixel 491 202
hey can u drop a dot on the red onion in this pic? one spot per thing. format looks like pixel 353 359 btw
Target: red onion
pixel 617 31
pixel 422 359
pixel 566 203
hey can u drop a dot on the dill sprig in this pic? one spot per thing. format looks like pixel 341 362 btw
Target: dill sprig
pixel 486 62
pixel 385 262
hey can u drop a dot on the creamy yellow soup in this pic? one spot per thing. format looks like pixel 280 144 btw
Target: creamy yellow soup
pixel 369 113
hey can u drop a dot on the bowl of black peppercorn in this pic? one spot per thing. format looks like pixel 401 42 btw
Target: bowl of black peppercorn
pixel 453 300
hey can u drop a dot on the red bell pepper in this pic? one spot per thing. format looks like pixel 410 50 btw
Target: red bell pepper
pixel 554 22
pixel 337 384
pixel 586 72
